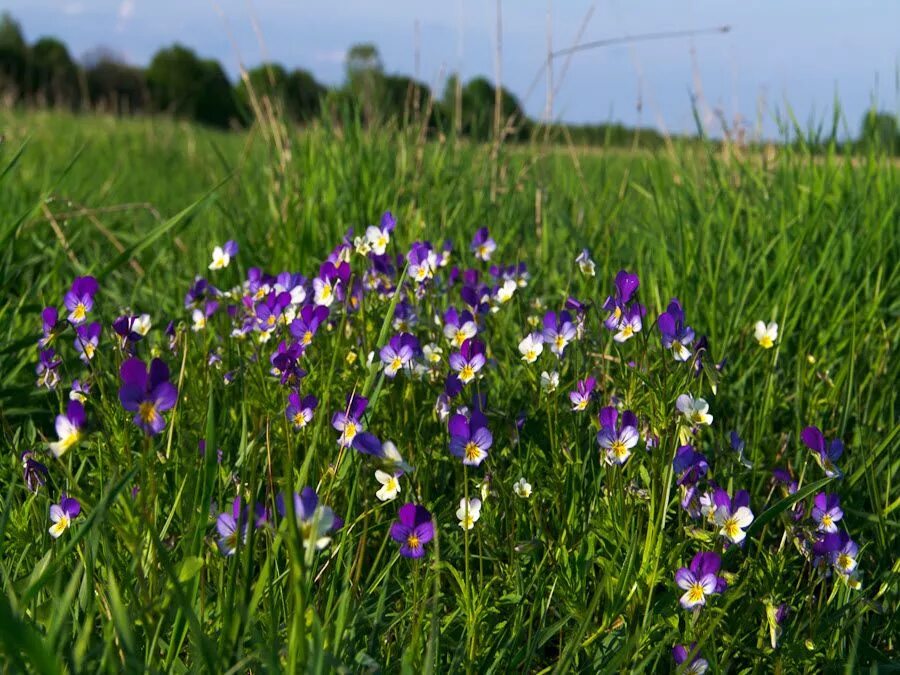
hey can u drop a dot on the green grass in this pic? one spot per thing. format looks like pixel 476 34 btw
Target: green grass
pixel 577 578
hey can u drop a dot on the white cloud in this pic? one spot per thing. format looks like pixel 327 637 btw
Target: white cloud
pixel 330 56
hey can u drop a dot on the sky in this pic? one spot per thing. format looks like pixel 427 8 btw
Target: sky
pixel 797 55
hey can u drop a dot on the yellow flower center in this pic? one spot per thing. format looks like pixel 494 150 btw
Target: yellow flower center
pixel 731 528
pixel 766 342
pixel 697 417
pixel 560 342
pixel 299 419
pixel 844 561
pixel 618 449
pixel 271 320
pixel 467 373
pixel 459 338
pixel 79 312
pixel 827 520
pixel 396 363
pixel 483 251
pixel 350 430
pixel 472 451
pixel 627 331
pixel 695 593
pixel 89 349
pixel 326 291
pixel 307 337
pixel 147 412
pixel 412 541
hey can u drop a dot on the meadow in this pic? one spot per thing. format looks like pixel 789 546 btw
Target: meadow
pixel 510 449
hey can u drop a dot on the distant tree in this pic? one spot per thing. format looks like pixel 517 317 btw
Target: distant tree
pixel 13 57
pixel 303 95
pixel 297 92
pixel 265 81
pixel 478 109
pixel 365 78
pixel 186 86
pixel 404 98
pixel 54 75
pixel 879 130
pixel 112 84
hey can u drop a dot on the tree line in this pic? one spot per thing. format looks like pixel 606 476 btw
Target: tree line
pixel 179 82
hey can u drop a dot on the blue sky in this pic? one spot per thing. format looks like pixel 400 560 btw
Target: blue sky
pixel 800 53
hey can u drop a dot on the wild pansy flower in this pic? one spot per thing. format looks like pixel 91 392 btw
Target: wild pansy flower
pixel 80 299
pixel 826 511
pixel 738 445
pixel 549 381
pixel 305 326
pixel 468 513
pixel 700 579
pixel 689 465
pixel 326 286
pixel 69 428
pixel 789 486
pixel 696 411
pixel 585 264
pixel 470 439
pixel 34 473
pixel 531 347
pixel 765 334
pixel 558 332
pixel 147 393
pixel 127 328
pixel 617 436
pixel 459 327
pixel 379 237
pixel 51 326
pixel 46 369
pixel 422 262
pixel 580 309
pixel 222 255
pixel 285 362
pixel 200 316
pixel 505 291
pixel 300 411
pixel 390 485
pixel 581 396
pixel 413 529
pixel 269 310
pixel 826 456
pixel 631 323
pixel 696 666
pixel 483 245
pixel 398 353
pixel 348 421
pixel 62 515
pixel 469 360
pixel 732 515
pixel 232 527
pixel 626 284
pixel 200 291
pixel 843 558
pixel 316 521
pixel 432 353
pixel 522 488
pixel 675 335
pixel 87 337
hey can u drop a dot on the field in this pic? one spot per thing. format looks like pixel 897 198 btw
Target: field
pixel 160 570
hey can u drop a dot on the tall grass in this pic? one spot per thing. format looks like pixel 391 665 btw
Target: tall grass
pixel 579 577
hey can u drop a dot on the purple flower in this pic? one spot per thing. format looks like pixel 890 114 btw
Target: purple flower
pixel 631 322
pixel 626 285
pixel 316 521
pixel 732 515
pixel 87 337
pixel 825 456
pixel 300 411
pixel 737 444
pixel 232 527
pixel 51 326
pixel 413 529
pixel 697 665
pixel 80 299
pixel 348 421
pixel 327 286
pixel 617 436
pixel 558 332
pixel 62 514
pixel 34 473
pixel 46 369
pixel 826 511
pixel 398 353
pixel 689 465
pixel 459 327
pixel 470 438
pixel 305 326
pixel 269 310
pixel 469 360
pixel 422 262
pixel 286 363
pixel 147 394
pixel 69 428
pixel 675 335
pixel 838 550
pixel 482 244
pixel 700 579
pixel 581 396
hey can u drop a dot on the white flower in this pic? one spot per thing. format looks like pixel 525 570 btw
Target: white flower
pixel 362 246
pixel 390 486
pixel 522 488
pixel 432 353
pixel 141 324
pixel 468 512
pixel 378 239
pixel 733 524
pixel 506 291
pixel 585 264
pixel 60 521
pixel 199 317
pixel 696 411
pixel 324 292
pixel 531 347
pixel 766 335
pixel 220 259
pixel 457 336
pixel 549 381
